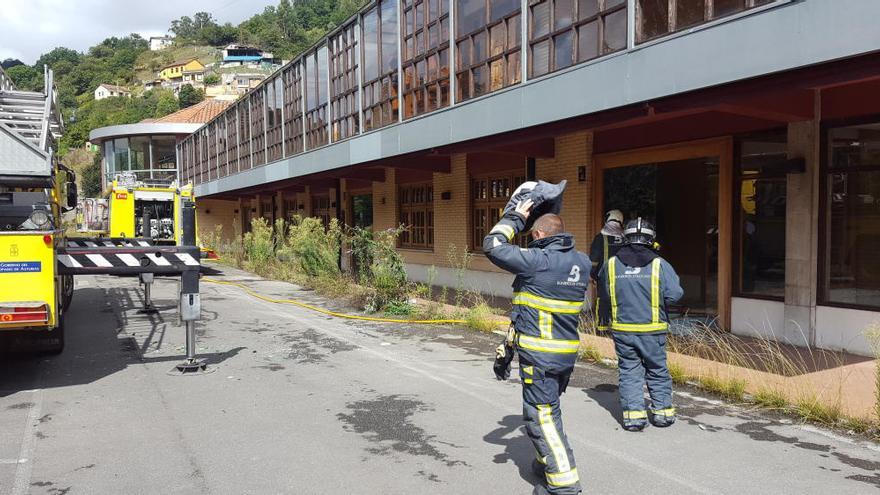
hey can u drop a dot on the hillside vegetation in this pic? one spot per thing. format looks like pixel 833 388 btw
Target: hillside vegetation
pixel 285 30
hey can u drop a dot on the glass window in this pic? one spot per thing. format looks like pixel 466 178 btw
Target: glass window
pixel 489 196
pixel 851 273
pixel 760 215
pixel 488 44
pixel 379 35
pixel 416 208
pixel 293 115
pixel 433 52
pixel 164 153
pixel 345 121
pixel 317 74
pixel 109 160
pixel 657 18
pixel 120 155
pixel 564 32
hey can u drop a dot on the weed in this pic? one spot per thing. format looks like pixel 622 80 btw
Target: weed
pixel 810 408
pixel 676 371
pixel 400 308
pixel 460 261
pixel 481 317
pixel 731 389
pixel 770 399
pixel 873 334
pixel 591 353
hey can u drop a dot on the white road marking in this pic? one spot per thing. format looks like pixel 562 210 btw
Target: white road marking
pixel 22 482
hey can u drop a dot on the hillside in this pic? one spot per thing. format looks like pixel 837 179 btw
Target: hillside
pixel 285 30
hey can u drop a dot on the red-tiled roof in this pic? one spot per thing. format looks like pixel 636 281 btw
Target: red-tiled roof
pixel 199 113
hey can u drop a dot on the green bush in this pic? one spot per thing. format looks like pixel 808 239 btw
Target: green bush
pixel 312 248
pixel 259 248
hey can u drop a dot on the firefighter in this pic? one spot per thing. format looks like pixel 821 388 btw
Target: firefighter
pixel 607 241
pixel 605 245
pixel 549 290
pixel 637 285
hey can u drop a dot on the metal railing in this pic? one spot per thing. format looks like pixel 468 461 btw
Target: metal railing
pixel 6 83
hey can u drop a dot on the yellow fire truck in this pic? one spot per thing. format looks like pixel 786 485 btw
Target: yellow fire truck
pixel 35 191
pixel 125 205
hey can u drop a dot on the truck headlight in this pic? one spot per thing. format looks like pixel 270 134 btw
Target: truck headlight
pixel 40 218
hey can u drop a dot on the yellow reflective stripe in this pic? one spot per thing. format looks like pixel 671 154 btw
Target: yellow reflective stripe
pixel 551 436
pixel 547 304
pixel 529 370
pixel 635 415
pixel 528 380
pixel 563 479
pixel 655 290
pixel 545 324
pixel 669 411
pixel 612 286
pixel 541 459
pixel 639 327
pixel 504 229
pixel 548 345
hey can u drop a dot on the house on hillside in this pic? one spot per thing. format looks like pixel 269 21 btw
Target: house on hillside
pixel 177 69
pixel 160 42
pixel 247 56
pixel 108 90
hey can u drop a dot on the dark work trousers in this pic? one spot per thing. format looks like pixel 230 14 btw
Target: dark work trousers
pixel 641 359
pixel 543 418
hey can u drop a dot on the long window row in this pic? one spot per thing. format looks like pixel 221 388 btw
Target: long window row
pixel 400 59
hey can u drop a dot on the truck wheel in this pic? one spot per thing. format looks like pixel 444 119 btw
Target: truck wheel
pixel 66 291
pixel 53 342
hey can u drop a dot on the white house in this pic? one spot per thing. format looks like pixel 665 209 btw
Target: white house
pixel 160 42
pixel 108 90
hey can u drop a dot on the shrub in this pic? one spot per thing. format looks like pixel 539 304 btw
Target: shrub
pixel 313 249
pixel 481 317
pixel 379 265
pixel 259 248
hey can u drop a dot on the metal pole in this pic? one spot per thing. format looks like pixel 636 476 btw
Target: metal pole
pixel 146 231
pixel 190 303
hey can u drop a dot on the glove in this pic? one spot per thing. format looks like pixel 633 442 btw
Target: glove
pixel 503 358
pixel 547 198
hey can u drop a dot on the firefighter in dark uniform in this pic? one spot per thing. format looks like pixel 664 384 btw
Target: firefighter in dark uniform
pixel 604 246
pixel 635 287
pixel 549 290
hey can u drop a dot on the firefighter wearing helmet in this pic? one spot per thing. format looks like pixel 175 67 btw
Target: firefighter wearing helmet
pixel 635 287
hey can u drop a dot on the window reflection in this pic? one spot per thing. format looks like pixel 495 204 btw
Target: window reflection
pixel 379 35
pixel 761 214
pixel 488 44
pixel 425 58
pixel 565 32
pixel 852 216
pixel 656 18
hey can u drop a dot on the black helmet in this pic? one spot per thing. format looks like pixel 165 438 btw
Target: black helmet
pixel 640 231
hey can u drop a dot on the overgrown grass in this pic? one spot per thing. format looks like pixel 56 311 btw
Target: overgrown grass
pixel 873 335
pixel 769 398
pixel 482 317
pixel 732 389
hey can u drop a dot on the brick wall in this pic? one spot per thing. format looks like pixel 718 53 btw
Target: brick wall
pixel 572 151
pixel 213 212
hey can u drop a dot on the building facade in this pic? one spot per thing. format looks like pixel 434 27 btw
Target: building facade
pixel 149 149
pixel 109 90
pixel 747 130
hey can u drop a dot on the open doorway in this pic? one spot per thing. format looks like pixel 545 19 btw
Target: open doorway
pixel 685 191
pixel 681 199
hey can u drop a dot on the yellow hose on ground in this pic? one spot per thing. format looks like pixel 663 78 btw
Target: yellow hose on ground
pixel 325 311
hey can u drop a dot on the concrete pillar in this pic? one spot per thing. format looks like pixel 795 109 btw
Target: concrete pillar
pixel 802 237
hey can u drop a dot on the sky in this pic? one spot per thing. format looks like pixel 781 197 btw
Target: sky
pixel 29 28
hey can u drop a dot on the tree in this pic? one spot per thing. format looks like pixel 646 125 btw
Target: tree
pixel 26 78
pixel 10 62
pixel 165 104
pixel 189 96
pixel 212 79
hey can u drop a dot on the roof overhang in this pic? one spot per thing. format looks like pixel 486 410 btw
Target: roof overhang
pixel 149 128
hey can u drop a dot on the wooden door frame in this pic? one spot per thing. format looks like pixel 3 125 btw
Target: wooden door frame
pixel 716 147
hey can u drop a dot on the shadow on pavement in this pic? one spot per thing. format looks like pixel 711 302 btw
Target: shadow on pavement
pixel 517 447
pixel 606 395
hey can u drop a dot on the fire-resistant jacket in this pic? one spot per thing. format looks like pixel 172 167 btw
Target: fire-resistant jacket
pixel 634 298
pixel 548 292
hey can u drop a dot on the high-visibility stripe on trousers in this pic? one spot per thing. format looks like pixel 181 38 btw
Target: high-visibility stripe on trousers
pixel 543 419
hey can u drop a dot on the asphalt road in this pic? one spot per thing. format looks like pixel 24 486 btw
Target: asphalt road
pixel 306 404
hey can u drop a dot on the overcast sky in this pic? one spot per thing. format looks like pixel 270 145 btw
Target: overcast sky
pixel 29 28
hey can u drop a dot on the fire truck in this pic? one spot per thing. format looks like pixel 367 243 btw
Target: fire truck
pixel 38 261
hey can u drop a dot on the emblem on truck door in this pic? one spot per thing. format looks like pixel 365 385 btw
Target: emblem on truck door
pixel 13 250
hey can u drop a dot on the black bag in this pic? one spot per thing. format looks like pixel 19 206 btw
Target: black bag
pixel 546 196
